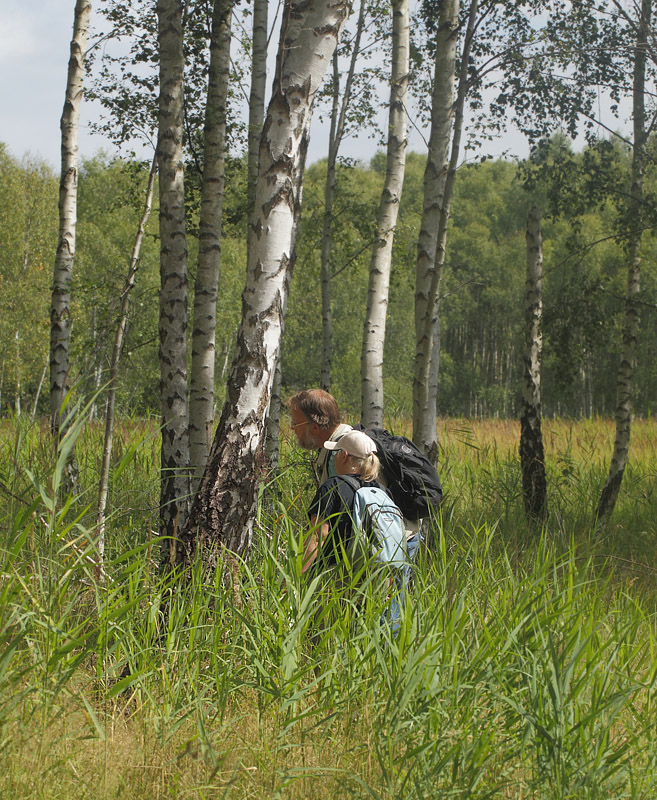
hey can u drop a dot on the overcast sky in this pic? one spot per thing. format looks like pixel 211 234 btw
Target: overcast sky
pixel 34 48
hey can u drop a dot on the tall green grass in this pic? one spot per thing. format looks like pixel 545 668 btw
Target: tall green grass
pixel 525 666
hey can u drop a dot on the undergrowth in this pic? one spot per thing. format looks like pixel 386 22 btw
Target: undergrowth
pixel 525 666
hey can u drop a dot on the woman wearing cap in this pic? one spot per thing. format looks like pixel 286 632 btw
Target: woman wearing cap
pixel 332 538
pixel 330 508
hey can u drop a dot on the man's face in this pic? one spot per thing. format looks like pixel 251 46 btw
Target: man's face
pixel 304 429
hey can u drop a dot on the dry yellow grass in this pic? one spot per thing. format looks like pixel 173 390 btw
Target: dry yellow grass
pixel 590 439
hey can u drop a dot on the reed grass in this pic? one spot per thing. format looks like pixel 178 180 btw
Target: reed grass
pixel 525 667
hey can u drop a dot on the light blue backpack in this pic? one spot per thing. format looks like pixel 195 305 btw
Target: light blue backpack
pixel 377 516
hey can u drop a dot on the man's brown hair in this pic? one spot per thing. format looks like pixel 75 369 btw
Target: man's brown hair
pixel 319 406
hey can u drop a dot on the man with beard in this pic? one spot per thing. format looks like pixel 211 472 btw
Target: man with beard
pixel 315 420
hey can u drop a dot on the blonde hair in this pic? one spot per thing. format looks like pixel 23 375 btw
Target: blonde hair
pixel 368 468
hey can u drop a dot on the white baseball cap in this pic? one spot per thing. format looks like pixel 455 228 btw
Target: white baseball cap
pixel 354 443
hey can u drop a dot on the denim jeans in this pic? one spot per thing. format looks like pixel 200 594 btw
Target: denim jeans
pixel 399 588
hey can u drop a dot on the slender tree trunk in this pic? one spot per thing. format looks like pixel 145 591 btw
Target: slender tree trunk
pixel 18 373
pixel 374 331
pixel 624 387
pixel 338 120
pixel 325 249
pixel 257 94
pixel 427 350
pixel 256 119
pixel 223 511
pixel 38 391
pixel 201 398
pixel 175 484
pixel 425 434
pixel 103 484
pixel 60 312
pixel 532 457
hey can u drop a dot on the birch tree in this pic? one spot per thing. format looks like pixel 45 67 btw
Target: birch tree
pixel 635 216
pixel 201 399
pixel 60 311
pixel 339 112
pixel 223 511
pixel 256 94
pixel 438 185
pixel 379 281
pixel 532 457
pixel 435 174
pixel 174 484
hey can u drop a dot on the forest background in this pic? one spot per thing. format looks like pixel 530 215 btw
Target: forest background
pixel 484 285
pixel 481 313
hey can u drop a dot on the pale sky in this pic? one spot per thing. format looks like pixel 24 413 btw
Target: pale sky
pixel 35 37
pixel 34 49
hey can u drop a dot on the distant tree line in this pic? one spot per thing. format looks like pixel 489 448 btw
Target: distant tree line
pixel 482 289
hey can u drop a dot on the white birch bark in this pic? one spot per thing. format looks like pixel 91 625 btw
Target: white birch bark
pixel 425 383
pixel 532 457
pixel 374 330
pixel 257 94
pixel 60 312
pixel 325 246
pixel 223 512
pixel 625 379
pixel 103 482
pixel 174 486
pixel 338 119
pixel 201 396
pixel 435 175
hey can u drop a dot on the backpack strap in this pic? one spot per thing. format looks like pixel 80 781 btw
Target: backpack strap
pixel 354 483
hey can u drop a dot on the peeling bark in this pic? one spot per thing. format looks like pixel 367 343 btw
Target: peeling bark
pixel 223 511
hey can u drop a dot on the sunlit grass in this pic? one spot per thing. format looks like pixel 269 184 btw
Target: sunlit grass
pixel 525 667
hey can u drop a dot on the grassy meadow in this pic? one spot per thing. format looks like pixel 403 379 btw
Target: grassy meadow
pixel 525 667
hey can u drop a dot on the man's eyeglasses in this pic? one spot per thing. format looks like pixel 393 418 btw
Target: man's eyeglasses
pixel 295 425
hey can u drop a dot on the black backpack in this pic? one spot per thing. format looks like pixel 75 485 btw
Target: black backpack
pixel 412 479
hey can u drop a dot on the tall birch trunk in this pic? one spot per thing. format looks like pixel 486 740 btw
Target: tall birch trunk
pixel 338 120
pixel 201 397
pixel 257 94
pixel 175 484
pixel 532 457
pixel 437 207
pixel 374 330
pixel 325 247
pixel 103 483
pixel 435 176
pixel 635 216
pixel 223 511
pixel 60 312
